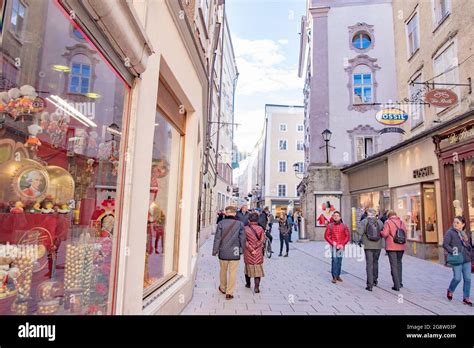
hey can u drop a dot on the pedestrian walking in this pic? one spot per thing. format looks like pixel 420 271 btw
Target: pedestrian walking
pixel 291 222
pixel 458 243
pixel 284 228
pixel 337 235
pixel 271 218
pixel 369 233
pixel 394 232
pixel 220 216
pixel 243 215
pixel 263 220
pixel 253 254
pixel 384 216
pixel 364 214
pixel 229 244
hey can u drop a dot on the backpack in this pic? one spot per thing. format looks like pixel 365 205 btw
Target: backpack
pixel 400 236
pixel 372 230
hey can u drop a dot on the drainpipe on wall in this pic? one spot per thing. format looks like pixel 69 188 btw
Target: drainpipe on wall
pixel 211 95
pixel 220 99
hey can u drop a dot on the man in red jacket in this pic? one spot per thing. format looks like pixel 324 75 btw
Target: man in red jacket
pixel 337 235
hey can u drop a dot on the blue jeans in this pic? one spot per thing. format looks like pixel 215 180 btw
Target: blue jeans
pixel 465 270
pixel 336 262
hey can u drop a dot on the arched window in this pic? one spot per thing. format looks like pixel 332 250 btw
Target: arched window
pixel 362 85
pixel 80 76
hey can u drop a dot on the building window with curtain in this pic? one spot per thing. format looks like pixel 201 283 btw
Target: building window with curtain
pixel 362 87
pixel 417 109
pixel 413 35
pixel 364 147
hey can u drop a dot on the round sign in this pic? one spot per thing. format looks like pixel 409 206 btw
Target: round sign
pixel 391 117
pixel 441 98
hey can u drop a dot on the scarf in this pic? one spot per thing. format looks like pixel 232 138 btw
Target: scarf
pixel 463 236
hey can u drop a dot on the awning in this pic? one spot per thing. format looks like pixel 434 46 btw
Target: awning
pixel 119 24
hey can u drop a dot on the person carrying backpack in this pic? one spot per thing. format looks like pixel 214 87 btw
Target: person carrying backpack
pixel 369 233
pixel 395 232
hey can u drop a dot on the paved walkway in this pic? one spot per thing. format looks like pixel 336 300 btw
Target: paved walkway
pixel 300 285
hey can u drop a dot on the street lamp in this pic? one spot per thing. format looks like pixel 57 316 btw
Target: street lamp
pixel 327 137
pixel 296 168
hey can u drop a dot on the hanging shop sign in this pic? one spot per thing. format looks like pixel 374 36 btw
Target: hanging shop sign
pixel 392 130
pixel 441 98
pixel 391 117
pixel 423 172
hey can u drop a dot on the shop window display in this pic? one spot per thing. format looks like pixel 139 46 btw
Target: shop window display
pixel 457 204
pixel 163 211
pixel 408 207
pixel 59 158
pixel 429 213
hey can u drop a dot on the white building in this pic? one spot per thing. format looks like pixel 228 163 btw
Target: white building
pixel 283 148
pixel 347 58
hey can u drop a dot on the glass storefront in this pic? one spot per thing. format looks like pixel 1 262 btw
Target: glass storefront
pixel 407 204
pixel 160 259
pixel 61 123
pixel 429 213
pixel 416 206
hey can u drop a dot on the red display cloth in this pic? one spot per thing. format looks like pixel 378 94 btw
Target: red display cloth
pixel 13 226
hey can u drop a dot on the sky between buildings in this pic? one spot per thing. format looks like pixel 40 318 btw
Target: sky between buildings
pixel 265 35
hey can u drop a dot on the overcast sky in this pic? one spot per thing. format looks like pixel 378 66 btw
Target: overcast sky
pixel 265 35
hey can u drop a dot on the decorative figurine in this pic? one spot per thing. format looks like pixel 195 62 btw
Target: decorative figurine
pixel 64 209
pixel 48 208
pixel 18 209
pixel 90 166
pixel 33 142
pixel 36 208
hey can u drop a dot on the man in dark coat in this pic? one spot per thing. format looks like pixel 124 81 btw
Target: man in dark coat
pixel 229 244
pixel 243 215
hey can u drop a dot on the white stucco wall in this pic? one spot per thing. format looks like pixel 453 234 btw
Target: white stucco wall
pixel 341 119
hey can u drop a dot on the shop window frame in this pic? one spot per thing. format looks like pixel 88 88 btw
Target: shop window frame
pixel 423 226
pixel 166 103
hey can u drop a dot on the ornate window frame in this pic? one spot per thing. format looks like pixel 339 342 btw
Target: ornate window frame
pixel 362 59
pixel 366 131
pixel 364 28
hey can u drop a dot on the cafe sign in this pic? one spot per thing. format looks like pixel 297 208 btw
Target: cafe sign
pixel 391 117
pixel 441 98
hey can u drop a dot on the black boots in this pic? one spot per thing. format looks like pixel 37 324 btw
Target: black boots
pixel 247 281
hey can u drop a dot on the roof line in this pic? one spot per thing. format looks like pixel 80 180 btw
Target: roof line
pixel 285 106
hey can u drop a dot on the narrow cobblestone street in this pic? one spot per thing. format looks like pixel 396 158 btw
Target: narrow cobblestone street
pixel 300 285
